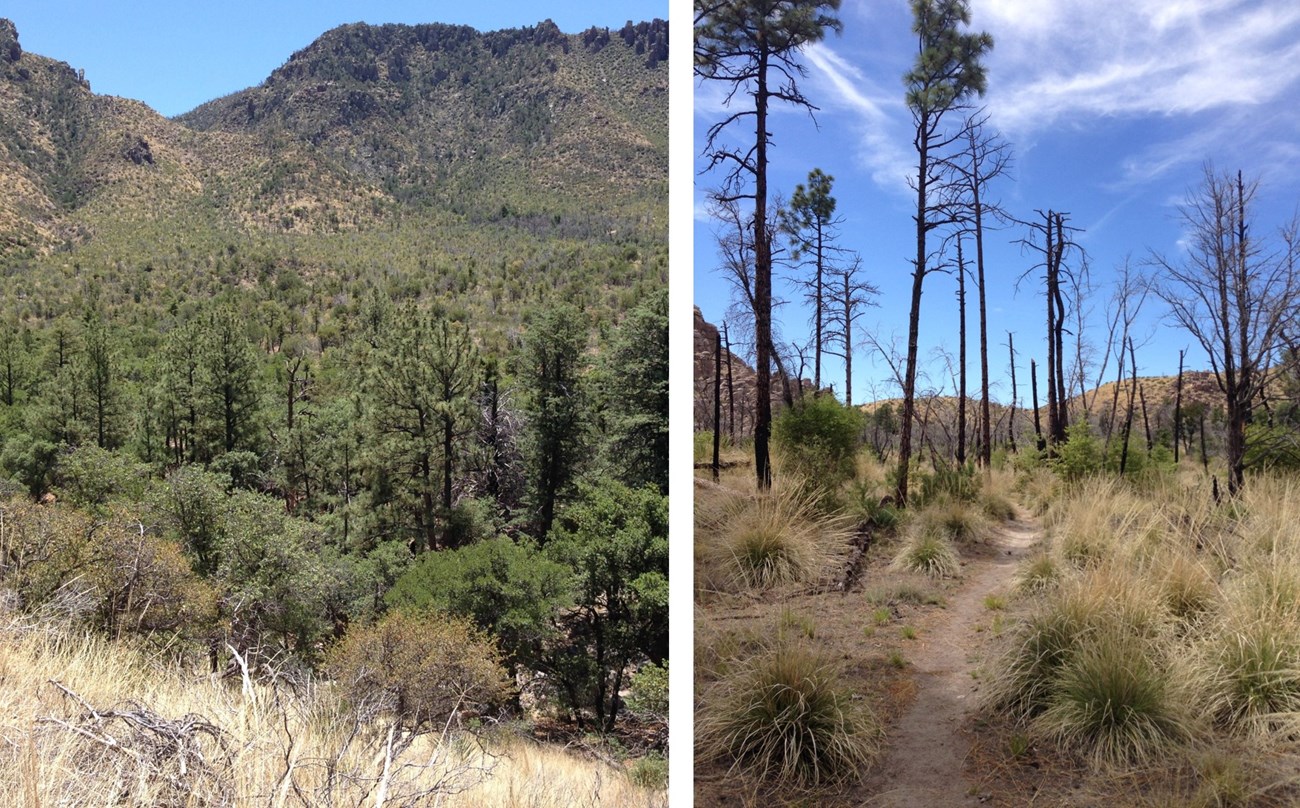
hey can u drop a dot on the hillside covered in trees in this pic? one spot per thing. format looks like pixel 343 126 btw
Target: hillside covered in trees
pixel 359 371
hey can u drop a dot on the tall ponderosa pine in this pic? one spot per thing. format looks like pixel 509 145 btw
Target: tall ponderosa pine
pixel 229 385
pixel 948 70
pixel 422 375
pixel 177 392
pixel 809 220
pixel 99 355
pixel 552 369
pixel 635 382
pixel 753 46
pixel 15 348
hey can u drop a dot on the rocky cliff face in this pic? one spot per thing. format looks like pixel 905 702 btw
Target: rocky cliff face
pixel 738 384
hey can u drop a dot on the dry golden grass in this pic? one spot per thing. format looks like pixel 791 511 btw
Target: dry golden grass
pixel 84 721
pixel 749 541
pixel 1174 610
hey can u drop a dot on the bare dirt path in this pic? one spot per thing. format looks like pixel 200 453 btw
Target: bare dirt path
pixel 922 767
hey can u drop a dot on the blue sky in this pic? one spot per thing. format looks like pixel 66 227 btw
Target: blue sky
pixel 176 55
pixel 1112 107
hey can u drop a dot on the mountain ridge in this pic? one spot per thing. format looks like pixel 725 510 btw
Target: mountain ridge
pixel 363 140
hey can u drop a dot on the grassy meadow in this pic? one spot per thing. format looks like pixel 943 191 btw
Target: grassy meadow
pixel 1143 651
pixel 89 721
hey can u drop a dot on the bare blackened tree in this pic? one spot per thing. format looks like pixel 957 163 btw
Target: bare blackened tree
pixel 1011 418
pixel 961 354
pixel 987 156
pixel 753 46
pixel 737 250
pixel 850 295
pixel 1178 407
pixel 947 72
pixel 1234 292
pixel 1130 293
pixel 1053 240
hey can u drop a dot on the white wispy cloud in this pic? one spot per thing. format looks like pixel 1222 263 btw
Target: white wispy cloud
pixel 880 117
pixel 1074 58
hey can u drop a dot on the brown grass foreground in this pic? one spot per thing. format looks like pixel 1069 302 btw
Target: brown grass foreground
pixel 87 722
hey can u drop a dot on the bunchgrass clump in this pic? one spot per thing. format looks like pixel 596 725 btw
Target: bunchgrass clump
pixel 997 506
pixel 786 715
pixel 1038 573
pixel 1112 700
pixel 1186 586
pixel 1252 674
pixel 903 591
pixel 1107 602
pixel 928 552
pixel 959 521
pixel 746 542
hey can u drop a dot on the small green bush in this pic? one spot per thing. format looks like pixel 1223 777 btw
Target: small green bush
pixel 818 440
pixel 650 772
pixel 508 588
pixel 649 690
pixel 703 446
pixel 1080 456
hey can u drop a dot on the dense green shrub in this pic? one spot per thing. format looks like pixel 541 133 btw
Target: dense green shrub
pixel 649 691
pixel 818 439
pixel 29 461
pixel 507 588
pixel 89 475
pixel 1080 455
pixel 614 540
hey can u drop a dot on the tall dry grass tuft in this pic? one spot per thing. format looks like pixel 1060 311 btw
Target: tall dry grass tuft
pixel 1166 625
pixel 1108 601
pixel 960 521
pixel 1114 699
pixel 784 714
pixel 929 551
pixel 756 541
pixel 92 722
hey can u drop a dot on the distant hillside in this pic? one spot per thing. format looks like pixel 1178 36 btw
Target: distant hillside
pixel 367 124
pixel 938 414
pixel 79 163
pixel 488 171
pixel 439 114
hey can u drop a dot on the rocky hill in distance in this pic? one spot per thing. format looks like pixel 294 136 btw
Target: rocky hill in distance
pixel 368 124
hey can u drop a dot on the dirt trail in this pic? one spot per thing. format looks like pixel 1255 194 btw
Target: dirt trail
pixel 925 750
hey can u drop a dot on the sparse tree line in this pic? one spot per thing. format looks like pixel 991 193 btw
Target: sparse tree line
pixel 1236 291
pixel 196 486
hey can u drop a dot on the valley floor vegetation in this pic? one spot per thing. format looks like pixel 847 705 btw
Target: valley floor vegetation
pixel 400 568
pixel 1146 652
